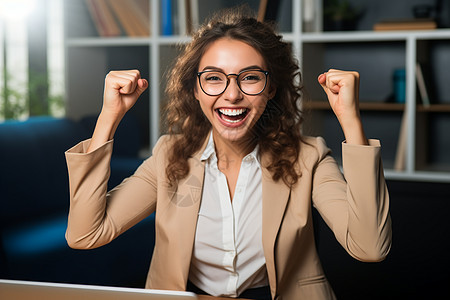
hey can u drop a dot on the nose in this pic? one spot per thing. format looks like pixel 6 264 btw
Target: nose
pixel 232 93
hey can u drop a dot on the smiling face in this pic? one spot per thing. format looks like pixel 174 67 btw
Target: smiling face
pixel 232 114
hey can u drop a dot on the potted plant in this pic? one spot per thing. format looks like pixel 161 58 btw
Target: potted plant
pixel 340 15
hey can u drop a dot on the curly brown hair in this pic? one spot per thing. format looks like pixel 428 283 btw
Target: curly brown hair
pixel 277 131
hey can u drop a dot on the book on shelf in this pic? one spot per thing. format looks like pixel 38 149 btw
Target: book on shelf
pixel 268 10
pixel 312 12
pixel 166 17
pixel 113 18
pixel 103 18
pixel 426 85
pixel 143 6
pixel 262 10
pixel 405 24
pixel 400 156
pixel 134 20
pixel 179 17
pixel 182 15
pixel 192 16
pixel 422 85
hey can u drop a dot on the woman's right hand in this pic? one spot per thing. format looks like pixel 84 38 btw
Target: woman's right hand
pixel 122 89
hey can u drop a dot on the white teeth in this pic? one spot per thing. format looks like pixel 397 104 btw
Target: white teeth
pixel 232 112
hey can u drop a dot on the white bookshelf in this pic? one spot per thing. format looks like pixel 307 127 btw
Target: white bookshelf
pixel 87 64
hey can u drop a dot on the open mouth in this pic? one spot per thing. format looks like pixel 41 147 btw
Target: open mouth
pixel 232 115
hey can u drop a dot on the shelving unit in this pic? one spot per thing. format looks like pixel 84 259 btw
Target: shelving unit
pixel 410 110
pixel 374 54
pixel 364 106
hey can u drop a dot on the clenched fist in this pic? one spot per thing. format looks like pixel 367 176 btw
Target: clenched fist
pixel 122 89
pixel 342 89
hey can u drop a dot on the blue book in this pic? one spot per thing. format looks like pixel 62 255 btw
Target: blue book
pixel 166 17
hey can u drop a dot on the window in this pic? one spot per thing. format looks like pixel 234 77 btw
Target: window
pixel 31 58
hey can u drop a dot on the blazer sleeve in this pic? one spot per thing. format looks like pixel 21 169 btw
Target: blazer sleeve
pixel 356 207
pixel 97 216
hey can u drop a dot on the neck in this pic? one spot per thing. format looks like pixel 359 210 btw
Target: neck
pixel 231 152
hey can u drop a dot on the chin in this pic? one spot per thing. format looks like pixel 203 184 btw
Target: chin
pixel 235 135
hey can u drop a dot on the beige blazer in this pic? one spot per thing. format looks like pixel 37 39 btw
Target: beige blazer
pixel 355 208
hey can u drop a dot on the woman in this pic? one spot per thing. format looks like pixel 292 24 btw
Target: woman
pixel 233 183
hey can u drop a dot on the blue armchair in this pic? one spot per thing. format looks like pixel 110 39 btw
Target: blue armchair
pixel 34 203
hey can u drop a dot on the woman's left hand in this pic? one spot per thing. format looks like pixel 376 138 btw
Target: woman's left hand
pixel 342 89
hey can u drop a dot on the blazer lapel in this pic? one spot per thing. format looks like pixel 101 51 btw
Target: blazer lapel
pixel 187 197
pixel 275 199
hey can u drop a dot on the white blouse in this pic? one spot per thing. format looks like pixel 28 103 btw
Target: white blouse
pixel 228 255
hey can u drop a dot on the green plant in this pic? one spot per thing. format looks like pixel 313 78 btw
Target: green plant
pixel 40 101
pixel 13 103
pixel 35 100
pixel 341 10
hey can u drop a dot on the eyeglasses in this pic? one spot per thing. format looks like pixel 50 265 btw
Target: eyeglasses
pixel 250 82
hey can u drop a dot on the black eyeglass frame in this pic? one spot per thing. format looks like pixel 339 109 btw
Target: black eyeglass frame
pixel 266 73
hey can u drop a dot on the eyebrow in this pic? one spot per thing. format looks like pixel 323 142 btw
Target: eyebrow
pixel 253 67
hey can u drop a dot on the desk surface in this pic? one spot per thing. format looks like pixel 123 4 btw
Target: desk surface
pixel 205 297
